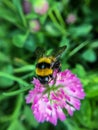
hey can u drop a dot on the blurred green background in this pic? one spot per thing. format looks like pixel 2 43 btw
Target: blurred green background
pixel 26 24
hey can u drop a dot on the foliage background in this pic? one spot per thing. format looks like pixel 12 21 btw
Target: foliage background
pixel 17 62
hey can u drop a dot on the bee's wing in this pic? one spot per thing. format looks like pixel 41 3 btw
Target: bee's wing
pixel 39 52
pixel 57 52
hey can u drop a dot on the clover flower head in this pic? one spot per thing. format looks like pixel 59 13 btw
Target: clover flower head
pixel 41 6
pixel 26 6
pixel 48 102
pixel 71 18
pixel 34 25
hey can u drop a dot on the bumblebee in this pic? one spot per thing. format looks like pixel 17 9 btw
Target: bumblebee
pixel 47 64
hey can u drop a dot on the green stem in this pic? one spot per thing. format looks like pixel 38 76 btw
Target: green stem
pixel 28 75
pixel 23 18
pixel 56 23
pixel 17 91
pixel 53 18
pixel 20 81
pixel 19 101
pixel 20 61
pixel 59 17
pixel 24 69
pixel 78 48
pixel 9 4
pixel 16 113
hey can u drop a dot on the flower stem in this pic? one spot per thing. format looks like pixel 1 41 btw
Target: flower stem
pixel 20 81
pixel 56 23
pixel 19 101
pixel 78 48
pixel 9 5
pixel 59 17
pixel 16 113
pixel 24 69
pixel 16 92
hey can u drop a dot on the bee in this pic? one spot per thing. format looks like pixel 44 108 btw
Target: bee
pixel 47 64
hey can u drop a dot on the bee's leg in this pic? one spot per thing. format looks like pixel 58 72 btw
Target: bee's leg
pixel 50 78
pixel 53 78
pixel 59 68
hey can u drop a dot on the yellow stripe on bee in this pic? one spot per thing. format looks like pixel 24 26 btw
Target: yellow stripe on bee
pixel 44 72
pixel 46 59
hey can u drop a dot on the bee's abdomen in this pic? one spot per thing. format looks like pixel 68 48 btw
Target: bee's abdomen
pixel 43 69
pixel 44 79
pixel 44 72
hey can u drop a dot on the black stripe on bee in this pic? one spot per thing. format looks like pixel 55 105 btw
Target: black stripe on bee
pixel 43 65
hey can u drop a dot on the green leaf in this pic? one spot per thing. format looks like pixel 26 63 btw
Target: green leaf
pixel 4 58
pixel 18 5
pixel 19 39
pixel 52 30
pixel 85 113
pixel 89 55
pixel 92 90
pixel 9 5
pixel 5 82
pixel 82 30
pixel 3 29
pixel 95 113
pixel 31 15
pixel 41 38
pixel 16 125
pixel 9 16
pixel 30 43
pixel 94 44
pixel 79 70
pixel 65 41
pixel 30 117
pixel 43 18
pixel 5 47
pixel 70 124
